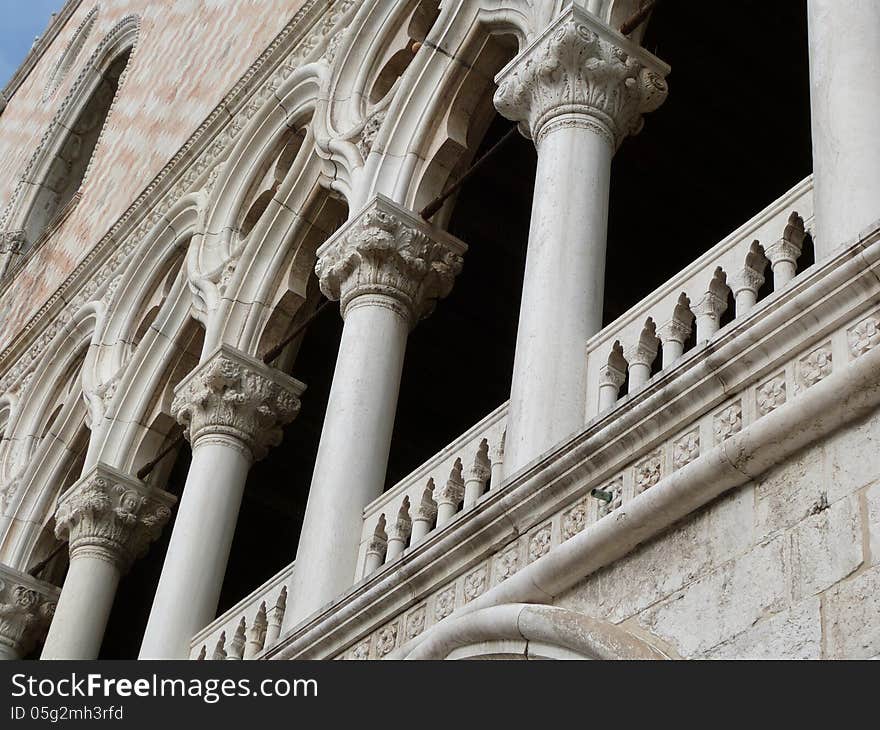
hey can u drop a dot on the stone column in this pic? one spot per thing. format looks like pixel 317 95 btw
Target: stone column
pixel 233 407
pixel 844 38
pixel 109 519
pixel 387 267
pixel 578 91
pixel 26 608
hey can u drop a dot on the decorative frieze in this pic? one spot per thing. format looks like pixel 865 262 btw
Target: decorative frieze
pixel 863 337
pixel 649 472
pixel 770 395
pixel 111 516
pixel 579 72
pixel 26 609
pixel 232 394
pixel 727 422
pixel 540 542
pixel 686 449
pixel 815 367
pixel 386 250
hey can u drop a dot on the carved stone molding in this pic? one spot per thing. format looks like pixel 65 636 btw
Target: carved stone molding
pixel 111 516
pixel 26 609
pixel 386 250
pixel 233 394
pixel 580 72
pixel 12 241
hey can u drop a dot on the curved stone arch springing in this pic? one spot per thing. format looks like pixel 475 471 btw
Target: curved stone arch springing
pixel 34 207
pixel 71 53
pixel 533 631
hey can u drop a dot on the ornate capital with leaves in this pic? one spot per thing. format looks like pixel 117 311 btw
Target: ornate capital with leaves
pixel 232 394
pixel 387 250
pixel 579 72
pixel 26 609
pixel 111 516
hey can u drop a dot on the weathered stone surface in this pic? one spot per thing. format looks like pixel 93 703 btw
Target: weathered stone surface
pixel 872 497
pixel 852 458
pixel 786 494
pixel 666 564
pixel 792 634
pixel 851 611
pixel 825 548
pixel 724 603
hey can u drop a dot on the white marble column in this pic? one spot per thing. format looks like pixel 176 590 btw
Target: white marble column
pixel 233 407
pixel 26 608
pixel 578 91
pixel 845 99
pixel 109 519
pixel 387 267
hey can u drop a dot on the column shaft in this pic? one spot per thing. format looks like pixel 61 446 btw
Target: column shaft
pixel 192 576
pixel 77 629
pixel 844 37
pixel 562 291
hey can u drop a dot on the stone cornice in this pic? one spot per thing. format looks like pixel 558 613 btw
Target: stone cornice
pixel 386 250
pixel 234 395
pixel 111 516
pixel 26 609
pixel 579 72
pixel 190 168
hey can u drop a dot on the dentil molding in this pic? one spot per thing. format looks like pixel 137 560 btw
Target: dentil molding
pixel 579 72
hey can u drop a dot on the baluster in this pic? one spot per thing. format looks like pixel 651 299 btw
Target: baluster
pixel 376 548
pixel 450 495
pixel 611 378
pixel 273 631
pixel 710 308
pixel 642 356
pixel 203 653
pixel 497 472
pixel 399 532
pixel 783 254
pixel 256 634
pixel 426 513
pixel 236 646
pixel 220 648
pixel 477 475
pixel 674 334
pixel 748 282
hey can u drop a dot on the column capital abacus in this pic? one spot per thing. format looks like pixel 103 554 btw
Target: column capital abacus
pixel 111 516
pixel 388 252
pixel 236 396
pixel 580 72
pixel 26 609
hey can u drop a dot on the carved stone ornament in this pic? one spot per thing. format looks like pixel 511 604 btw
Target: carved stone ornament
pixel 111 516
pixel 579 72
pixel 232 394
pixel 387 250
pixel 26 609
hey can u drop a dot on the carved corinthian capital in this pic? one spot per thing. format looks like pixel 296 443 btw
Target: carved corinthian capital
pixel 234 395
pixel 387 250
pixel 111 516
pixel 26 609
pixel 579 72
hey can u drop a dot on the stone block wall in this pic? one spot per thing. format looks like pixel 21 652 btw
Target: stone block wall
pixel 787 566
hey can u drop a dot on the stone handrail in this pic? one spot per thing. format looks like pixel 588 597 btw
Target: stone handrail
pixel 687 311
pixel 251 625
pixel 451 482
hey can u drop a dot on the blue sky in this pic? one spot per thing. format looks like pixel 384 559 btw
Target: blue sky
pixel 20 22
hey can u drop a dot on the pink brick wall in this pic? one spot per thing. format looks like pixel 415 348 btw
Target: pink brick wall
pixel 189 55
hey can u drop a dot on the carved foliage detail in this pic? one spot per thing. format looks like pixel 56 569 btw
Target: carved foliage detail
pixel 26 609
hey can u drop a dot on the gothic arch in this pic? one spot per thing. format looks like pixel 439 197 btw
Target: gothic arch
pixel 529 631
pixel 71 53
pixel 50 183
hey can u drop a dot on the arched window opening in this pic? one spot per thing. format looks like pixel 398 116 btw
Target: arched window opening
pixel 66 170
pixel 71 53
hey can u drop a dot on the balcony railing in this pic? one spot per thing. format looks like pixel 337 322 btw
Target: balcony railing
pixel 251 625
pixel 451 482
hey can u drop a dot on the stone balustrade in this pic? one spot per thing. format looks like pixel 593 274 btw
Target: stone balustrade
pixel 452 482
pixel 756 261
pixel 249 626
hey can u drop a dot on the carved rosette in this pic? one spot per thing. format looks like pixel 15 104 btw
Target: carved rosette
pixel 580 72
pixel 111 516
pixel 234 395
pixel 386 250
pixel 26 609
